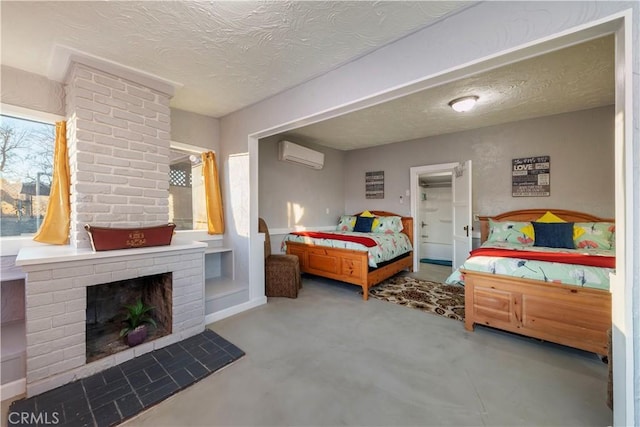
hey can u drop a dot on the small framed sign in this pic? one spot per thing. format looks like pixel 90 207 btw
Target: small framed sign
pixel 531 176
pixel 374 185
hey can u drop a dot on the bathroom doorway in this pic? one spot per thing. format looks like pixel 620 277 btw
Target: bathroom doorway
pixel 435 219
pixel 441 208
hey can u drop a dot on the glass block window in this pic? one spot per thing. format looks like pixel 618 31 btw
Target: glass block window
pixel 186 190
pixel 180 176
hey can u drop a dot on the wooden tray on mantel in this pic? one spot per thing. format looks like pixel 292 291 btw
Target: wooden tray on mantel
pixel 111 238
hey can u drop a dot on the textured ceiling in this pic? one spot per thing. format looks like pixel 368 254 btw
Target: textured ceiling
pixel 571 79
pixel 226 55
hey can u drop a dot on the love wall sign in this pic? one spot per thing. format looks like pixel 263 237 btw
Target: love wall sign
pixel 531 176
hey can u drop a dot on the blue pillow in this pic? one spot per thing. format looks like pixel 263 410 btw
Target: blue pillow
pixel 363 224
pixel 553 234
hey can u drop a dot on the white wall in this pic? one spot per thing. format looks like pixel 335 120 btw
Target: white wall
pixel 581 146
pixel 28 90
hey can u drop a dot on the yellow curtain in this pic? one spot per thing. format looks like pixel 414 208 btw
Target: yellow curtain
pixel 55 226
pixel 215 220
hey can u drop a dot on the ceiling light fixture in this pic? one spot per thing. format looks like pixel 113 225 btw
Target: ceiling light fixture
pixel 463 104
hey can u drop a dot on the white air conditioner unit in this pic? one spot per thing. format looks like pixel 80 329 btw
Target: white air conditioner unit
pixel 295 153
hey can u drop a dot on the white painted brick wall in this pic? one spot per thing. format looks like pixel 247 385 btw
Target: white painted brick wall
pixel 118 137
pixel 56 310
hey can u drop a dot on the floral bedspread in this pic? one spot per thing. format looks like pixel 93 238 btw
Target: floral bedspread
pixel 568 274
pixel 388 245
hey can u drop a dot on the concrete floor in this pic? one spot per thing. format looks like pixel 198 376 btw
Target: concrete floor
pixel 432 272
pixel 328 358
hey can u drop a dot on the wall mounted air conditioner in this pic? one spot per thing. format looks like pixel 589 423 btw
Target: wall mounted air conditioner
pixel 294 153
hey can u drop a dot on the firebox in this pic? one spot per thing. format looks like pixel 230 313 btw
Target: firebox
pixel 106 311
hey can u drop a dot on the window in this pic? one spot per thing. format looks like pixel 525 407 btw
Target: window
pixel 26 168
pixel 186 189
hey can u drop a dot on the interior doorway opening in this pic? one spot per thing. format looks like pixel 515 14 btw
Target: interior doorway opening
pixel 449 188
pixel 435 216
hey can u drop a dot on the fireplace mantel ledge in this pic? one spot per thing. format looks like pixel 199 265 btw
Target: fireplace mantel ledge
pixel 53 254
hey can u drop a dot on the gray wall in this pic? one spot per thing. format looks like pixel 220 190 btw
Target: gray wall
pixel 284 185
pixel 581 146
pixel 195 129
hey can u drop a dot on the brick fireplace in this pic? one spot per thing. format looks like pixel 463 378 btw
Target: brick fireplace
pixel 56 303
pixel 118 124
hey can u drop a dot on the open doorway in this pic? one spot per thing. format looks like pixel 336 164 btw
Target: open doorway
pixel 441 204
pixel 435 216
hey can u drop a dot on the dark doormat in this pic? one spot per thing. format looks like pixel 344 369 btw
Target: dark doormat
pixel 436 261
pixel 112 396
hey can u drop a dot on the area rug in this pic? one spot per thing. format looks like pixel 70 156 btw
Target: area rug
pixel 432 297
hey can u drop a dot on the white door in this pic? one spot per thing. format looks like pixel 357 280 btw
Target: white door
pixel 461 213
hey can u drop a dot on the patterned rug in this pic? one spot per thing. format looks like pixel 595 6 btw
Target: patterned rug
pixel 432 297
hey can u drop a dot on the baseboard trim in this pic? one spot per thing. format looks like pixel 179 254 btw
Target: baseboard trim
pixel 13 389
pixel 236 309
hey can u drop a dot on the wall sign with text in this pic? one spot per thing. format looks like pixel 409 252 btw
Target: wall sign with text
pixel 531 176
pixel 374 185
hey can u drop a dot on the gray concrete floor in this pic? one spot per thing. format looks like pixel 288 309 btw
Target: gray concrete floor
pixel 432 272
pixel 328 358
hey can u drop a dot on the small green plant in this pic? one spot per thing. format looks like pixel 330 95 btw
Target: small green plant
pixel 137 315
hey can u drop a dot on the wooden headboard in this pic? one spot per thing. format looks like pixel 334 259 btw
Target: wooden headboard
pixel 533 214
pixel 407 222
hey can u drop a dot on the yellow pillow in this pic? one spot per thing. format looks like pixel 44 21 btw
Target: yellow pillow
pixel 528 231
pixel 550 218
pixel 577 232
pixel 376 221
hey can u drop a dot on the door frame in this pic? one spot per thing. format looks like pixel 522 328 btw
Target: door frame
pixel 414 177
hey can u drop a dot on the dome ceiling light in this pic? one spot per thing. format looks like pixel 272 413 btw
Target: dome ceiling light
pixel 463 104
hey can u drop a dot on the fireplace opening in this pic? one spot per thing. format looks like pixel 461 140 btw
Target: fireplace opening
pixel 106 312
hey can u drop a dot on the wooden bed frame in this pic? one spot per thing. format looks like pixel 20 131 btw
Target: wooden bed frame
pixel 348 265
pixel 570 315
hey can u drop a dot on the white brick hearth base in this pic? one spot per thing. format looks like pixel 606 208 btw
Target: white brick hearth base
pixel 56 294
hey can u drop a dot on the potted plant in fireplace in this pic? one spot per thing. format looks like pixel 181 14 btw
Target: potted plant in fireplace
pixel 138 317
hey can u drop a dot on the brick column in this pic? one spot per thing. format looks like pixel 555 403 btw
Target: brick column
pixel 118 140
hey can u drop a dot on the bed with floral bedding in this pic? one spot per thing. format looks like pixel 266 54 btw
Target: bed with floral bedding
pixel 543 274
pixel 548 269
pixel 365 248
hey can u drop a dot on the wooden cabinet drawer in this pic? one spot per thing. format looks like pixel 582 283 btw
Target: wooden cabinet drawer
pixel 494 307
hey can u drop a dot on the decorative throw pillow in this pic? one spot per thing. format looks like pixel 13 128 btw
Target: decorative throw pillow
pixel 528 231
pixel 346 223
pixel 508 231
pixel 363 224
pixel 553 234
pixel 596 235
pixel 388 224
pixel 368 214
pixel 549 217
